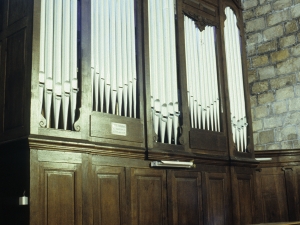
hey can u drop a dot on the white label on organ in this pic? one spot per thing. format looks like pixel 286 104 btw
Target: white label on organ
pixel 118 129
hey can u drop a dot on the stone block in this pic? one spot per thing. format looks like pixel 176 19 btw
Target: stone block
pixel 287 145
pixel 287 41
pixel 281 4
pixel 266 137
pixel 285 93
pixel 273 32
pixel 291 27
pixel 252 75
pixel 261 111
pixel 279 107
pixel 260 87
pixel 255 25
pixel 297 90
pixel 296 143
pixel 249 14
pixel 261 2
pixel 253 100
pixel 255 138
pixel 272 122
pixel 294 104
pixel 265 98
pixel 266 72
pixel 262 10
pixel 259 147
pixel 257 125
pixel 260 61
pixel 292 118
pixel 288 133
pixel 280 55
pixel 295 50
pixel 277 17
pixel 288 66
pixel 254 38
pixel 283 81
pixel 275 146
pixel 295 11
pixel 249 4
pixel 267 47
pixel 251 50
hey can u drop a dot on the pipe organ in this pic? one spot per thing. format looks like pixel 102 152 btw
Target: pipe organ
pixel 165 75
pixel 92 92
pixel 58 83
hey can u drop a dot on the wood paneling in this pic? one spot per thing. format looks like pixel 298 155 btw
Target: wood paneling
pixel 17 9
pixel 60 190
pixel 242 187
pixel 184 198
pixel 271 198
pixel 215 198
pixel 14 81
pixel 109 195
pixel 148 196
pixel 60 197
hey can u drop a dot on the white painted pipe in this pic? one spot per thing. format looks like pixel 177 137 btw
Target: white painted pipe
pixel 107 50
pixel 101 53
pixel 42 55
pixel 173 68
pixel 96 54
pixel 49 59
pixel 73 63
pixel 124 55
pixel 66 60
pixel 133 57
pixel 119 61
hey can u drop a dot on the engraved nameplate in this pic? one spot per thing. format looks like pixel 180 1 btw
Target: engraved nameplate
pixel 118 129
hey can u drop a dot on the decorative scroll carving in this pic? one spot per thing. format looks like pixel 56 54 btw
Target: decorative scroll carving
pixel 200 21
pixel 43 121
pixel 77 122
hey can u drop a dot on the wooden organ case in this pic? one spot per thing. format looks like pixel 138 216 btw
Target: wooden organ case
pixel 94 91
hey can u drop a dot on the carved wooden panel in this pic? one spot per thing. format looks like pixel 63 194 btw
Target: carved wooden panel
pixel 17 9
pixel 271 198
pixel 14 80
pixel 185 197
pixel 242 191
pixel 148 196
pixel 215 198
pixel 208 140
pixel 60 194
pixel 109 195
pixel 105 125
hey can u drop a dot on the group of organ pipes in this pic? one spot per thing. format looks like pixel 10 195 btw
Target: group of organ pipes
pixel 114 73
pixel 113 59
pixel 58 83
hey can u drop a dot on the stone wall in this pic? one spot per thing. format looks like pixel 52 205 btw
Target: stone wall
pixel 273 51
